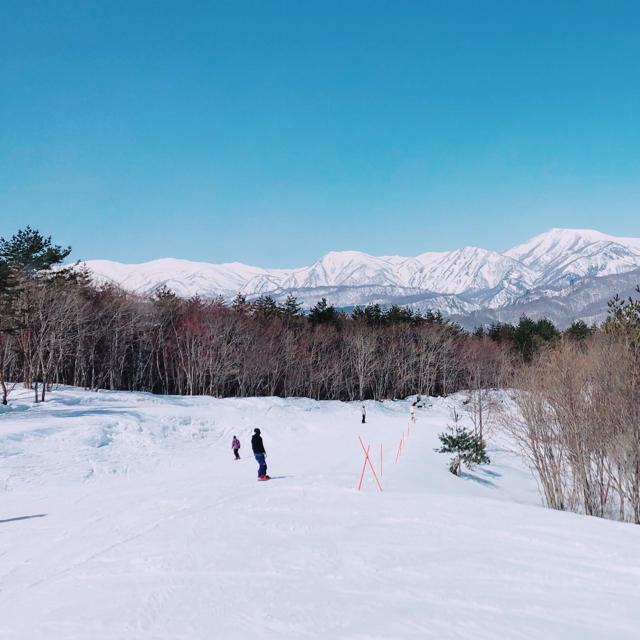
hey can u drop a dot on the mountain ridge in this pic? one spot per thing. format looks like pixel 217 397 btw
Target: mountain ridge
pixel 465 280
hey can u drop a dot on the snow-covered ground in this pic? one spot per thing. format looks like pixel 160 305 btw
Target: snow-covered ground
pixel 124 515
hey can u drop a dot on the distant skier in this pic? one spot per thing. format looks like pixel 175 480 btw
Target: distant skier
pixel 235 445
pixel 260 454
pixel 412 412
pixel 364 414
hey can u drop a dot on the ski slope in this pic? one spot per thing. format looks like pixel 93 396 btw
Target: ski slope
pixel 125 516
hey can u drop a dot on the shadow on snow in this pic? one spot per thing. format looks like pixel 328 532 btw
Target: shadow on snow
pixel 37 515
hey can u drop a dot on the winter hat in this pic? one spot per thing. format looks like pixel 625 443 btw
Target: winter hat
pixel 257 431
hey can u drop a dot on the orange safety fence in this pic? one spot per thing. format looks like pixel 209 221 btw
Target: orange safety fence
pixel 367 461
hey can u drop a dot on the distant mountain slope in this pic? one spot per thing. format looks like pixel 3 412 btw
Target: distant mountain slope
pixel 546 272
pixel 585 300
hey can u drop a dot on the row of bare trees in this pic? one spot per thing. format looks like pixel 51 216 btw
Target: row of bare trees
pixel 68 331
pixel 578 419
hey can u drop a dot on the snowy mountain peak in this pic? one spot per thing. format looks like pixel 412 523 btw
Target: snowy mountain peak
pixel 571 253
pixel 456 281
pixel 557 240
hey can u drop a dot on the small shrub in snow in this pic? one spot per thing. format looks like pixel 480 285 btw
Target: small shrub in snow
pixel 468 449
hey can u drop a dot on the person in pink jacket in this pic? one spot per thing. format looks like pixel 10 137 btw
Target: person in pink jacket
pixel 235 445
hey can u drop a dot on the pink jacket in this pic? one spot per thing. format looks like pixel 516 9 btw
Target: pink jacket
pixel 235 444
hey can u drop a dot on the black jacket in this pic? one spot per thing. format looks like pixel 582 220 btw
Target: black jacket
pixel 257 444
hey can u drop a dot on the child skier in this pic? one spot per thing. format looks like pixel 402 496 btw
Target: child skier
pixel 260 454
pixel 235 445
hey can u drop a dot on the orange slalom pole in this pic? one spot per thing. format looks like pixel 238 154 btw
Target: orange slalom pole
pixel 364 466
pixel 399 447
pixel 375 475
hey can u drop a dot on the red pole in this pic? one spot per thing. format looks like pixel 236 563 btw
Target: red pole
pixel 399 447
pixel 370 465
pixel 364 466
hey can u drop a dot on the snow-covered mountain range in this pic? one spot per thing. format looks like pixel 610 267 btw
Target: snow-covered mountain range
pixel 465 282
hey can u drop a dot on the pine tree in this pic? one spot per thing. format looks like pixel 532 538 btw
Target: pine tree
pixel 291 308
pixel 468 449
pixel 240 305
pixel 29 251
pixel 398 315
pixel 323 313
pixel 265 307
pixel 579 330
pixel 373 315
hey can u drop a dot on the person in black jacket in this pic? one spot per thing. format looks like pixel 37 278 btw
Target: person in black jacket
pixel 260 454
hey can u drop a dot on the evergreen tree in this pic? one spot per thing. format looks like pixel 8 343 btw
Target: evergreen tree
pixel 546 330
pixel 373 315
pixel 530 335
pixel 578 330
pixel 291 308
pixel 30 252
pixel 398 315
pixel 265 307
pixel 501 332
pixel 324 313
pixel 358 314
pixel 523 337
pixel 623 315
pixel 239 304
pixel 434 318
pixel 624 321
pixel 468 449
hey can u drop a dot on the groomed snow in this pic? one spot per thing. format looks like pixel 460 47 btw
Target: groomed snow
pixel 124 515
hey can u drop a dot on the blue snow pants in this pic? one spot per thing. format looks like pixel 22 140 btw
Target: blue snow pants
pixel 262 471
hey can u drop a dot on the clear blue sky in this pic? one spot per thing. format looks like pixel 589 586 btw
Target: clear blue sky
pixel 272 132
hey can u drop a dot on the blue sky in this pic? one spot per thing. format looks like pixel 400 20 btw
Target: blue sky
pixel 273 132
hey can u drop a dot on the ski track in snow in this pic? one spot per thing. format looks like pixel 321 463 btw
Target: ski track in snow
pixel 124 515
